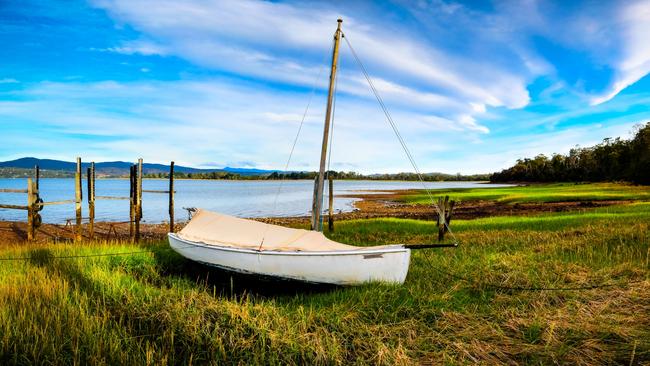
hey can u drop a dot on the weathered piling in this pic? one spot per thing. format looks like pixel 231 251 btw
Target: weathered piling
pixel 446 208
pixel 314 225
pixel 169 192
pixel 91 200
pixel 31 209
pixel 138 200
pixel 330 218
pixel 37 176
pixel 77 200
pixel 132 203
pixel 35 204
pixel 171 197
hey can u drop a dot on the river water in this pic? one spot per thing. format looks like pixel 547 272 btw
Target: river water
pixel 238 198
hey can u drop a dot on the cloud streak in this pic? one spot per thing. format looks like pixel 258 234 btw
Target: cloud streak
pixel 635 61
pixel 286 42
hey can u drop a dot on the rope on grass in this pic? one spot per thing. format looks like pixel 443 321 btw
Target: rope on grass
pixel 92 255
pixel 77 256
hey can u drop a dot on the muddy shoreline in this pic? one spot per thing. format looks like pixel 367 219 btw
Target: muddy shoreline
pixel 375 205
pixel 391 204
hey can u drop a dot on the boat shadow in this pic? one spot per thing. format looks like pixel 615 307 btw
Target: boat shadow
pixel 224 283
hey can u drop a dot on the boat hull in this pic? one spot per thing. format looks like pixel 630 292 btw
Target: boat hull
pixel 345 267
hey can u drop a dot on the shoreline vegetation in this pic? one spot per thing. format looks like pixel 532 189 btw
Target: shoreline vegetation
pixel 551 273
pixel 612 160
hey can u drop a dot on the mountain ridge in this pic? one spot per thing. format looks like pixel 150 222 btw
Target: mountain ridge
pixel 120 167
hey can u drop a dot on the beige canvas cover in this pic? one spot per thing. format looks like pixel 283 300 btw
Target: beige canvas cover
pixel 223 230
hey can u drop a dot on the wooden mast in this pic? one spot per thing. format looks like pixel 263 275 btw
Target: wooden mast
pixel 318 197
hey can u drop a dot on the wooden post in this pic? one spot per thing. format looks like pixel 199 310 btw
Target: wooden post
pixel 171 197
pixel 330 219
pixel 138 200
pixel 132 203
pixel 90 210
pixel 37 176
pixel 446 208
pixel 30 209
pixel 77 199
pixel 32 200
pixel 91 200
pixel 314 224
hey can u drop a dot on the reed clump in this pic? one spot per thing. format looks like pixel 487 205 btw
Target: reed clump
pixel 504 296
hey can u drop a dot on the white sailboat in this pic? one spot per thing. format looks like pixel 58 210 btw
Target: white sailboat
pixel 233 244
pixel 253 247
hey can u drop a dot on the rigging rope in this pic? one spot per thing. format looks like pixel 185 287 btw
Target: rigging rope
pixel 390 120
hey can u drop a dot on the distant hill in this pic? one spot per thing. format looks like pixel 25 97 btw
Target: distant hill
pixel 118 168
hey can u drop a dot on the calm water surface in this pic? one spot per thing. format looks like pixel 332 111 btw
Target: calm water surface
pixel 239 198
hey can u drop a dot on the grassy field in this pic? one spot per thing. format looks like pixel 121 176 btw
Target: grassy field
pixel 569 288
pixel 559 192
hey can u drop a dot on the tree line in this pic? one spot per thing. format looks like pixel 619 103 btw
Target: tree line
pixel 611 160
pixel 29 173
pixel 203 175
pixel 338 175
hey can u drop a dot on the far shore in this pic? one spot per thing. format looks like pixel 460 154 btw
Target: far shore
pixel 382 204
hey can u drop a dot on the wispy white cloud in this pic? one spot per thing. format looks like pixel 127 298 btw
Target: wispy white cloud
pixel 609 35
pixel 142 47
pixel 286 42
pixel 634 63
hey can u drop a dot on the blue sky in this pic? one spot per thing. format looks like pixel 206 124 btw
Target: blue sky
pixel 472 85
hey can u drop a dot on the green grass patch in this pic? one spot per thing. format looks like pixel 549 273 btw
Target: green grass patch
pixel 396 228
pixel 455 306
pixel 537 193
